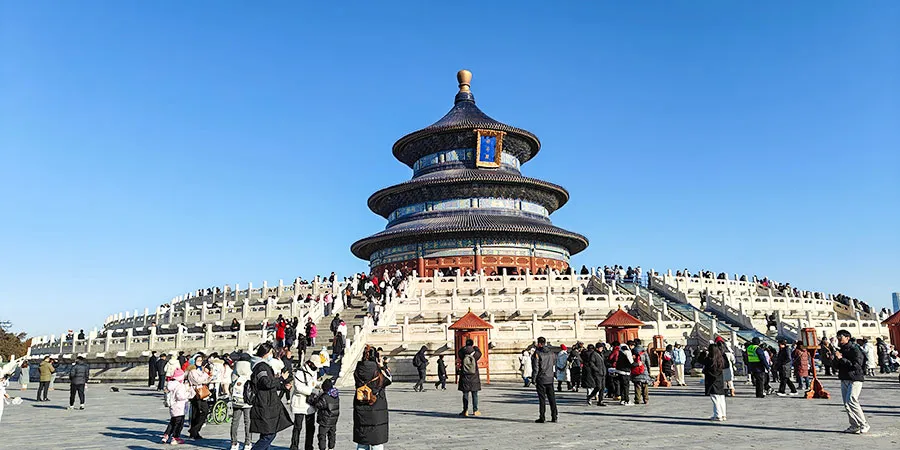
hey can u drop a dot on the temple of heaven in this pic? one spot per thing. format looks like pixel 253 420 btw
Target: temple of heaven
pixel 467 206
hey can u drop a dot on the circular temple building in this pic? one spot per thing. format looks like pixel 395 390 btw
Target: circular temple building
pixel 467 205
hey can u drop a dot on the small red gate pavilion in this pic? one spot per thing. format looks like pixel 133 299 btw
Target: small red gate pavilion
pixel 893 324
pixel 621 327
pixel 475 328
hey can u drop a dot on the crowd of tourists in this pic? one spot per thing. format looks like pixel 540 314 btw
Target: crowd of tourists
pixel 620 372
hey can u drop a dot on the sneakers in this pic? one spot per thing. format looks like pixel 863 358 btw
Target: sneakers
pixel 781 394
pixel 477 413
pixel 177 441
pixel 70 408
pixel 865 429
pixel 464 414
pixel 165 438
pixel 794 394
pixel 235 446
pixel 852 430
pixel 81 407
pixel 540 420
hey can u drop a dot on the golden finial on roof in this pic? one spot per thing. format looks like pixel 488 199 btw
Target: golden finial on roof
pixel 464 77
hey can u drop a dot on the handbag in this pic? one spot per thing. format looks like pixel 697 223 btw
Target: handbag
pixel 202 392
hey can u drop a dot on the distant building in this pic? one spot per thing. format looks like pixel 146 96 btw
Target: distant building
pixel 896 301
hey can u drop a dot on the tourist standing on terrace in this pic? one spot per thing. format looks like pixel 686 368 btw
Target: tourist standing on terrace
pixel 678 359
pixel 469 377
pixel 758 362
pixel 826 353
pixel 714 381
pixel 160 369
pixel 370 417
pixel 801 366
pixel 151 369
pixel 562 368
pixel 525 366
pixel 593 373
pixel 849 361
pixel 268 415
pixel 198 376
pixel 24 375
pixel 47 370
pixel 420 362
pixel 784 364
pixel 78 377
pixel 544 363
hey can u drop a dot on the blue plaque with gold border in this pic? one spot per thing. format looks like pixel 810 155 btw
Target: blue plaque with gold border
pixel 488 148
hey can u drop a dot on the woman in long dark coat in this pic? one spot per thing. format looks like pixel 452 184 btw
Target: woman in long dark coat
pixel 420 362
pixel 469 382
pixel 268 415
pixel 370 422
pixel 714 380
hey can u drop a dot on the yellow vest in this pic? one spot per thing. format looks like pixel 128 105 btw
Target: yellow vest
pixel 751 353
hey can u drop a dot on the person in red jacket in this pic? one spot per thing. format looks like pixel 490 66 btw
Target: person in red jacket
pixel 280 326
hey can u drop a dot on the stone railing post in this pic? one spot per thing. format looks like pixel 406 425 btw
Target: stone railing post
pixel 534 326
pixel 315 286
pixel 207 335
pixel 129 333
pixel 204 309
pixel 242 335
pixel 107 340
pixel 578 325
pixel 152 344
pixel 270 307
pixel 280 289
pixel 179 337
pixel 249 293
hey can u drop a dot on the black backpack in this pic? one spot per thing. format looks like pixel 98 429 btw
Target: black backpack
pixel 250 392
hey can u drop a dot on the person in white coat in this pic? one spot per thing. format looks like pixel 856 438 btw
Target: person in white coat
pixel 871 357
pixel 305 382
pixel 525 366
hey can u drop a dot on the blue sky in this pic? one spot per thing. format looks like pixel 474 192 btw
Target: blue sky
pixel 149 149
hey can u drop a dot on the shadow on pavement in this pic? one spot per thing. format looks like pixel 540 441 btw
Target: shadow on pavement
pixel 456 416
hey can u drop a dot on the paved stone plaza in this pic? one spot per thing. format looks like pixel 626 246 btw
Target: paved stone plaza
pixel 134 418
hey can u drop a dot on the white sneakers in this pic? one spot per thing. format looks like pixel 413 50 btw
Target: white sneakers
pixel 854 430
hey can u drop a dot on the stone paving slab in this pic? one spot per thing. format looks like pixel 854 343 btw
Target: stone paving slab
pixel 134 418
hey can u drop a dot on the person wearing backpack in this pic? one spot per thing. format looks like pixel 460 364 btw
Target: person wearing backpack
pixel 420 362
pixel 370 407
pixel 640 373
pixel 469 378
pixel 239 406
pixel 543 365
pixel 442 374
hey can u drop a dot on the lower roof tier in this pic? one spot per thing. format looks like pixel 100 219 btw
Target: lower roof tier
pixel 467 226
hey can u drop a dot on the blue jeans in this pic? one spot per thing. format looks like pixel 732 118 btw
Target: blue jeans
pixel 264 442
pixel 474 400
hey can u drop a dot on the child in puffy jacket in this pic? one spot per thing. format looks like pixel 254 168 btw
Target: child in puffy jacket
pixel 328 407
pixel 177 396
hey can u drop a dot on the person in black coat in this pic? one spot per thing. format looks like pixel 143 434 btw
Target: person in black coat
pixel 268 415
pixel 161 371
pixel 151 369
pixel 328 407
pixel 469 382
pixel 420 362
pixel 442 374
pixel 784 365
pixel 593 373
pixel 370 422
pixel 850 363
pixel 714 380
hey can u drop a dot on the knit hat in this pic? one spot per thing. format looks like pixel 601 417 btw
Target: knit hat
pixel 563 346
pixel 178 375
pixel 719 339
pixel 318 360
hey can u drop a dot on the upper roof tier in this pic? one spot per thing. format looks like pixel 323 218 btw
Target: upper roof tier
pixel 455 130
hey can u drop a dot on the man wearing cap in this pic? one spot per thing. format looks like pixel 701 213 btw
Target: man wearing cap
pixel 305 382
pixel 759 365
